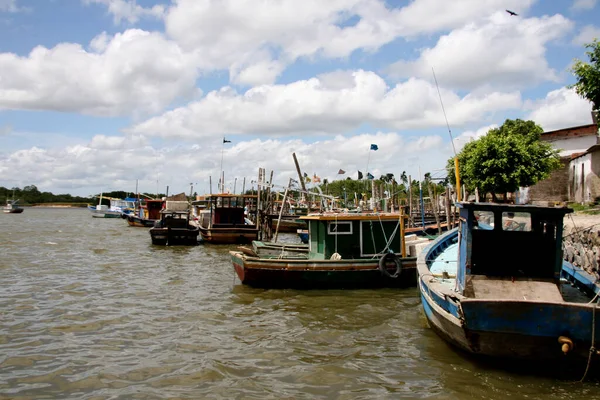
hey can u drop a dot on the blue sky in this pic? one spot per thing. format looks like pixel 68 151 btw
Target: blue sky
pixel 98 94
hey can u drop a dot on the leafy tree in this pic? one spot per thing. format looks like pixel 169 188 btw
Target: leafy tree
pixel 505 159
pixel 588 75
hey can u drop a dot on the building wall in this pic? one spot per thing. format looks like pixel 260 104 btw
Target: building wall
pixel 579 189
pixel 551 190
pixel 561 186
pixel 569 146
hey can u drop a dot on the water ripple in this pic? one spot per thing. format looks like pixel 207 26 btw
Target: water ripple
pixel 91 310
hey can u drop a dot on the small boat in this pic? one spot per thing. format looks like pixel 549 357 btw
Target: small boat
pixel 117 209
pixel 223 219
pixel 492 287
pixel 147 214
pixel 174 227
pixel 303 235
pixel 12 207
pixel 345 251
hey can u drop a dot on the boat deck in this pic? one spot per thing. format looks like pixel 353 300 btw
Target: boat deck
pixel 486 288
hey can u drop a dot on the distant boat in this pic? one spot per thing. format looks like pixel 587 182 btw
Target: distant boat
pixel 117 208
pixel 345 251
pixel 147 214
pixel 303 235
pixel 492 287
pixel 12 207
pixel 223 218
pixel 174 226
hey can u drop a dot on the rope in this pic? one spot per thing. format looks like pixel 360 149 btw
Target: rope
pixel 593 344
pixel 336 232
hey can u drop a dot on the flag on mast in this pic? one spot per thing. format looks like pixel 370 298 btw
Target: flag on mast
pixel 374 147
pixel 226 141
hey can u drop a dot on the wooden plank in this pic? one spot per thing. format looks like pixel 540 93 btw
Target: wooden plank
pixel 508 289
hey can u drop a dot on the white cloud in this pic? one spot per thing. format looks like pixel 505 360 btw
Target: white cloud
pixel 587 34
pixel 580 5
pixel 503 50
pixel 110 163
pixel 10 6
pixel 237 34
pixel 561 108
pixel 334 103
pixel 465 137
pixel 129 10
pixel 134 72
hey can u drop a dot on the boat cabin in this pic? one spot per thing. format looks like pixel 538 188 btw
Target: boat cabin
pixel 227 210
pixel 509 242
pixel 152 208
pixel 173 219
pixel 353 235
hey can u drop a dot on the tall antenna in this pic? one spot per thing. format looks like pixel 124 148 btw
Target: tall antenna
pixel 458 197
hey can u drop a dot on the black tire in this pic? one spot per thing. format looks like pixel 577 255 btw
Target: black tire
pixel 383 265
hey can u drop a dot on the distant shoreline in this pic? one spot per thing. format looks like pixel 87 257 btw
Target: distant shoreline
pixel 50 205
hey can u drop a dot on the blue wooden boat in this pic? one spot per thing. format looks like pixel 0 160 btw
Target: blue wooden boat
pixel 497 287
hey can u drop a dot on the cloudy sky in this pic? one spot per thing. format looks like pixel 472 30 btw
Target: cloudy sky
pixel 98 94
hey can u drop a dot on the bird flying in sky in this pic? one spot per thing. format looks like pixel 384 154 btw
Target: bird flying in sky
pixel 512 13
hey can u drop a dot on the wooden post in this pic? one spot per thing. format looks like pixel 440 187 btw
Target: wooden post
pixel 281 210
pixel 434 207
pixel 402 238
pixel 259 205
pixel 299 172
pixel 448 208
pixel 410 207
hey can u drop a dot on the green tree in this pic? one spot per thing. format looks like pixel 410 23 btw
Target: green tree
pixel 588 75
pixel 505 159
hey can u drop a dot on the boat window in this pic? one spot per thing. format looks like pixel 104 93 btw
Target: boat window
pixel 483 220
pixel 339 228
pixel 516 221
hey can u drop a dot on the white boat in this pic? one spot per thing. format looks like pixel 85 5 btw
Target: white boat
pixel 118 208
pixel 12 207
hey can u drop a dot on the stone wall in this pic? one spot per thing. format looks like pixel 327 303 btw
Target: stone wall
pixel 554 189
pixel 582 248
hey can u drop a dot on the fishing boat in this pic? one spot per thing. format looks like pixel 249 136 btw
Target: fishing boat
pixel 492 287
pixel 345 251
pixel 117 208
pixel 12 207
pixel 223 218
pixel 147 213
pixel 174 226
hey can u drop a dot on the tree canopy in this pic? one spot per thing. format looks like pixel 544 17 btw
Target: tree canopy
pixel 588 75
pixel 505 159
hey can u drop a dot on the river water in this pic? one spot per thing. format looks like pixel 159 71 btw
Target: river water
pixel 91 310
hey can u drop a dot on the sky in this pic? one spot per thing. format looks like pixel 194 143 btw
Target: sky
pixel 103 95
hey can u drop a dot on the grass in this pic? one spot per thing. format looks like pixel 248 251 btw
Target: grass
pixel 588 209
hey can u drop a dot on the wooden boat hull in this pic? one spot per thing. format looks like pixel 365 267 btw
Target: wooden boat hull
pixel 133 220
pixel 513 331
pixel 174 236
pixel 308 274
pixel 234 235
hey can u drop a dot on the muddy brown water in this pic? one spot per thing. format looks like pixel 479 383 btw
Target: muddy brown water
pixel 91 310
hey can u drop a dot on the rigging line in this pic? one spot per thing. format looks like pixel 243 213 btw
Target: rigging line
pixel 444 111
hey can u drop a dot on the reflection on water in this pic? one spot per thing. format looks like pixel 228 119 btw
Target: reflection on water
pixel 91 310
